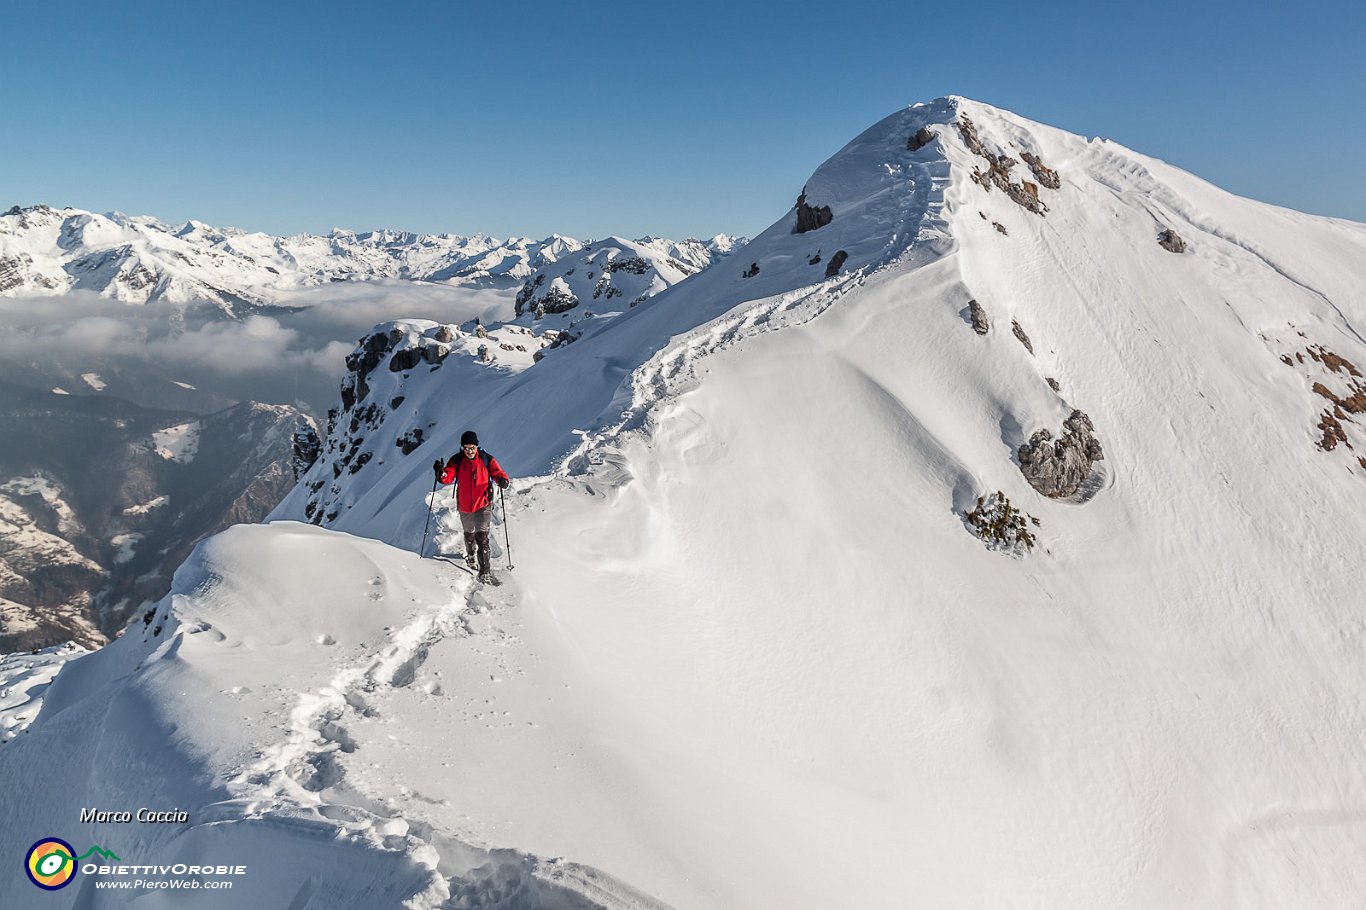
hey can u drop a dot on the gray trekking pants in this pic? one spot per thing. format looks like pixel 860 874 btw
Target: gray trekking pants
pixel 476 526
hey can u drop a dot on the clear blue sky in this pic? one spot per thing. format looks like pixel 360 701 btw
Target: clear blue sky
pixel 592 118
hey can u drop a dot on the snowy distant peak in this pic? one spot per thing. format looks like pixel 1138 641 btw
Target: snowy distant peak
pixel 138 259
pixel 611 274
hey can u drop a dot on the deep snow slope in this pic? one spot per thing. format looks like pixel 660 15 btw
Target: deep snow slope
pixel 751 655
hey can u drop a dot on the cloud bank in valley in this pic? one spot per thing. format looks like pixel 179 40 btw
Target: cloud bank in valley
pixel 295 352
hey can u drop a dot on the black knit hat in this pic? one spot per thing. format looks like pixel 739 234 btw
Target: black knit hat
pixel 468 438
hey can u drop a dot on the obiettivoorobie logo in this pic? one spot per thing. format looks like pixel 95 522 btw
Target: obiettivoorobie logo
pixel 52 862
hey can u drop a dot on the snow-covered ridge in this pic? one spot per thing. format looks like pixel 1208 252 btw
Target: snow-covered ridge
pixel 140 259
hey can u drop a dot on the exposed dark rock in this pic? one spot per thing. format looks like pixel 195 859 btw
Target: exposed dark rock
pixel 922 138
pixel 632 265
pixel 968 130
pixel 405 359
pixel 814 260
pixel 752 270
pixel 444 334
pixel 361 461
pixel 556 301
pixel 13 270
pixel 1001 228
pixel 434 353
pixel 811 218
pixel 1332 361
pixel 1046 176
pixel 395 402
pixel 980 325
pixel 137 278
pixel 307 448
pixel 1171 241
pixel 559 340
pixel 1056 468
pixel 523 301
pixel 1020 334
pixel 1332 432
pixel 362 361
pixel 480 331
pixel 1053 383
pixel 997 174
pixel 409 440
pixel 1000 525
pixel 832 268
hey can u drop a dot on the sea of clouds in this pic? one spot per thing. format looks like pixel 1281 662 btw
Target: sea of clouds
pixel 293 354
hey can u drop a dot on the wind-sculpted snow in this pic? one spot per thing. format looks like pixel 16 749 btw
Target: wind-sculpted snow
pixel 182 711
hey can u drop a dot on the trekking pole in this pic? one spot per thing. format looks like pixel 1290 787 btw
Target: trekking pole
pixel 506 540
pixel 421 554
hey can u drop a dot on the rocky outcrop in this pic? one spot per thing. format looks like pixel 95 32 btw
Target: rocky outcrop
pixel 1057 468
pixel 410 440
pixel 556 299
pixel 1343 409
pixel 558 340
pixel 1171 241
pixel 1000 525
pixel 632 265
pixel 1020 334
pixel 361 362
pixel 11 272
pixel 751 271
pixel 307 448
pixel 1046 176
pixel 832 268
pixel 405 360
pixel 978 317
pixel 997 174
pixel 919 140
pixel 810 218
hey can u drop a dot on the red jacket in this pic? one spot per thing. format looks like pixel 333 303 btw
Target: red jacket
pixel 473 478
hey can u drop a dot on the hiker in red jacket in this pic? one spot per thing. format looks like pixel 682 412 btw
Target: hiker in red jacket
pixel 474 472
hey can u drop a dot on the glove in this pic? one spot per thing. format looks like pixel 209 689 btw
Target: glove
pixel 439 467
pixel 502 484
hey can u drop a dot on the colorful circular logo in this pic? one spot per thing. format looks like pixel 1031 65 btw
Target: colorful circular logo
pixel 51 863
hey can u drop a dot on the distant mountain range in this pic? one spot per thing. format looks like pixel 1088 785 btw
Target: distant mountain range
pixel 138 259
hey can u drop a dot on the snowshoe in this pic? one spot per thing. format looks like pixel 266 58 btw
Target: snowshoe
pixel 489 578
